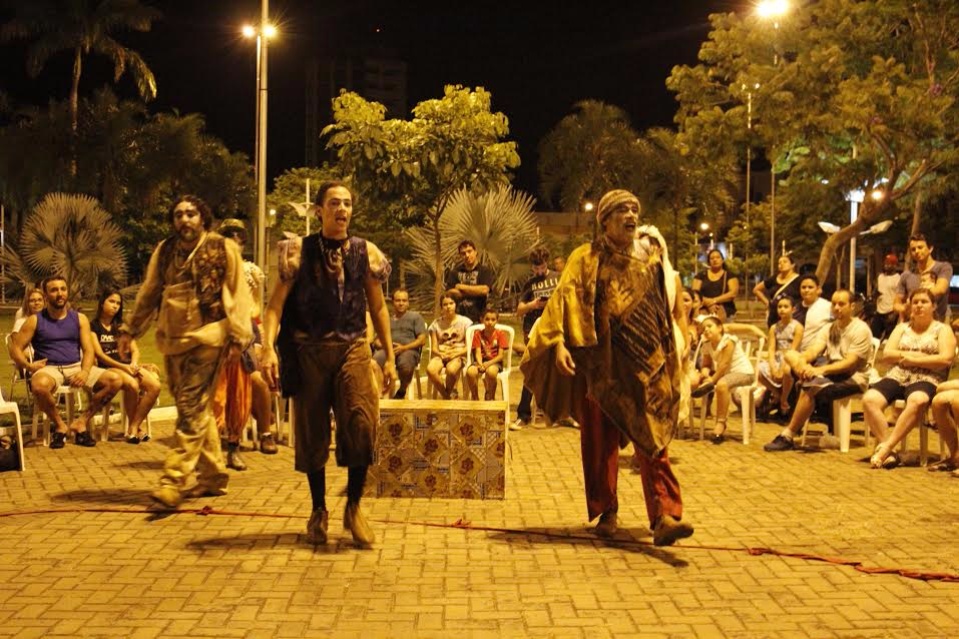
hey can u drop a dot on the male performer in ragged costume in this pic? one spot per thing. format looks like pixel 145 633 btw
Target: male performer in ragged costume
pixel 603 352
pixel 317 317
pixel 195 286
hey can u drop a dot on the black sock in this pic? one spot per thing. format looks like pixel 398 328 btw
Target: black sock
pixel 356 480
pixel 317 481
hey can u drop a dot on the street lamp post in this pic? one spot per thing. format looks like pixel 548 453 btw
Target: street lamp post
pixel 263 34
pixel 772 9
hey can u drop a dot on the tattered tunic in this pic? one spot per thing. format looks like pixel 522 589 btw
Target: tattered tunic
pixel 611 310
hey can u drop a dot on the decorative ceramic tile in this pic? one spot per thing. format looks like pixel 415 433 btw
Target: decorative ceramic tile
pixel 430 448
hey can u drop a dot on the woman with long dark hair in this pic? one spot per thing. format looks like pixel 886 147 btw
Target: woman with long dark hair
pixel 141 382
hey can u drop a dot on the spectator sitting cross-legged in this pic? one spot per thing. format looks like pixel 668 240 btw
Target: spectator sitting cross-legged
pixel 920 352
pixel 489 347
pixel 64 353
pixel 141 382
pixel 836 365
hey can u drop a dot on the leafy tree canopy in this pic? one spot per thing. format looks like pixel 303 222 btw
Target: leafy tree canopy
pixel 844 95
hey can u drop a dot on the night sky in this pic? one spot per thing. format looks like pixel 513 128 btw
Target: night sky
pixel 537 60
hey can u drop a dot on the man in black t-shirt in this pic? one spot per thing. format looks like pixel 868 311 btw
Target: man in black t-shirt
pixel 532 300
pixel 470 283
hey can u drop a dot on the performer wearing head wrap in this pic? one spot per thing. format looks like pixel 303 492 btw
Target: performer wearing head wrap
pixel 604 353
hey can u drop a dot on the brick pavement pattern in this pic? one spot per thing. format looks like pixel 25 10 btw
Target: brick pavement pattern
pixel 107 574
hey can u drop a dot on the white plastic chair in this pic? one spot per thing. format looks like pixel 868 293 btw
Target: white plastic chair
pixel 753 342
pixel 842 411
pixel 507 364
pixel 11 408
pixel 18 374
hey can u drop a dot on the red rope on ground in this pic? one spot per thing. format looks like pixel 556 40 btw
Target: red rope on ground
pixel 462 524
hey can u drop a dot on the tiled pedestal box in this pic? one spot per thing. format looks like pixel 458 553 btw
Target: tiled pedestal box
pixel 439 448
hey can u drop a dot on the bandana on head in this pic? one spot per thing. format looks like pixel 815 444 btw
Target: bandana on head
pixel 609 202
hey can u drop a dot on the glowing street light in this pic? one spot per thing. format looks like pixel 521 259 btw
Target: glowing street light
pixel 263 33
pixel 767 9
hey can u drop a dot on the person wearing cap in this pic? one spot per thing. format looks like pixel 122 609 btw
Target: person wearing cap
pixel 886 286
pixel 241 388
pixel 316 317
pixel 604 352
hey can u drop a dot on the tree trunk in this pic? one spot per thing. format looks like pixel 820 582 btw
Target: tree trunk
pixel 74 110
pixel 916 222
pixel 438 266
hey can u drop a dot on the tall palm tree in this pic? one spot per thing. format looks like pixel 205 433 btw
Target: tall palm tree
pixel 500 223
pixel 82 27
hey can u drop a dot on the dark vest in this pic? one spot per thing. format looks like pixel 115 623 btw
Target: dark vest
pixel 314 306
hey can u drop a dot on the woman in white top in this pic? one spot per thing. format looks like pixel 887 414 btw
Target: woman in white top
pixel 725 367
pixel 448 344
pixel 33 303
pixel 920 352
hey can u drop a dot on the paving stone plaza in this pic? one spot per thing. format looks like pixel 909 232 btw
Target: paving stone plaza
pixel 85 559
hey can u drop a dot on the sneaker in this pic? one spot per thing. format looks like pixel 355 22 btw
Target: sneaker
pixel 779 444
pixel 355 522
pixel 704 390
pixel 318 525
pixel 669 530
pixel 167 496
pixel 568 422
pixel 57 440
pixel 608 524
pixel 519 424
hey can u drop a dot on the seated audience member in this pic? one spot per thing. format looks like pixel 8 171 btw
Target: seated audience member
pixel 448 344
pixel 927 273
pixel 32 304
pixel 945 411
pixel 920 353
pixel 725 368
pixel 717 286
pixel 784 283
pixel 408 330
pixel 813 312
pixel 489 348
pixel 141 383
pixel 64 353
pixel 784 336
pixel 836 365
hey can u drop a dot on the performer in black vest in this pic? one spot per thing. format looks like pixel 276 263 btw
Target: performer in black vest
pixel 327 282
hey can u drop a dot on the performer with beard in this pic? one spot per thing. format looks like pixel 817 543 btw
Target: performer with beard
pixel 603 351
pixel 195 284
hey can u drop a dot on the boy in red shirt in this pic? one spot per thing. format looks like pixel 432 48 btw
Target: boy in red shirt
pixel 489 347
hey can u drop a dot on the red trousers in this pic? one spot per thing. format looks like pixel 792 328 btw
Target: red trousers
pixel 599 439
